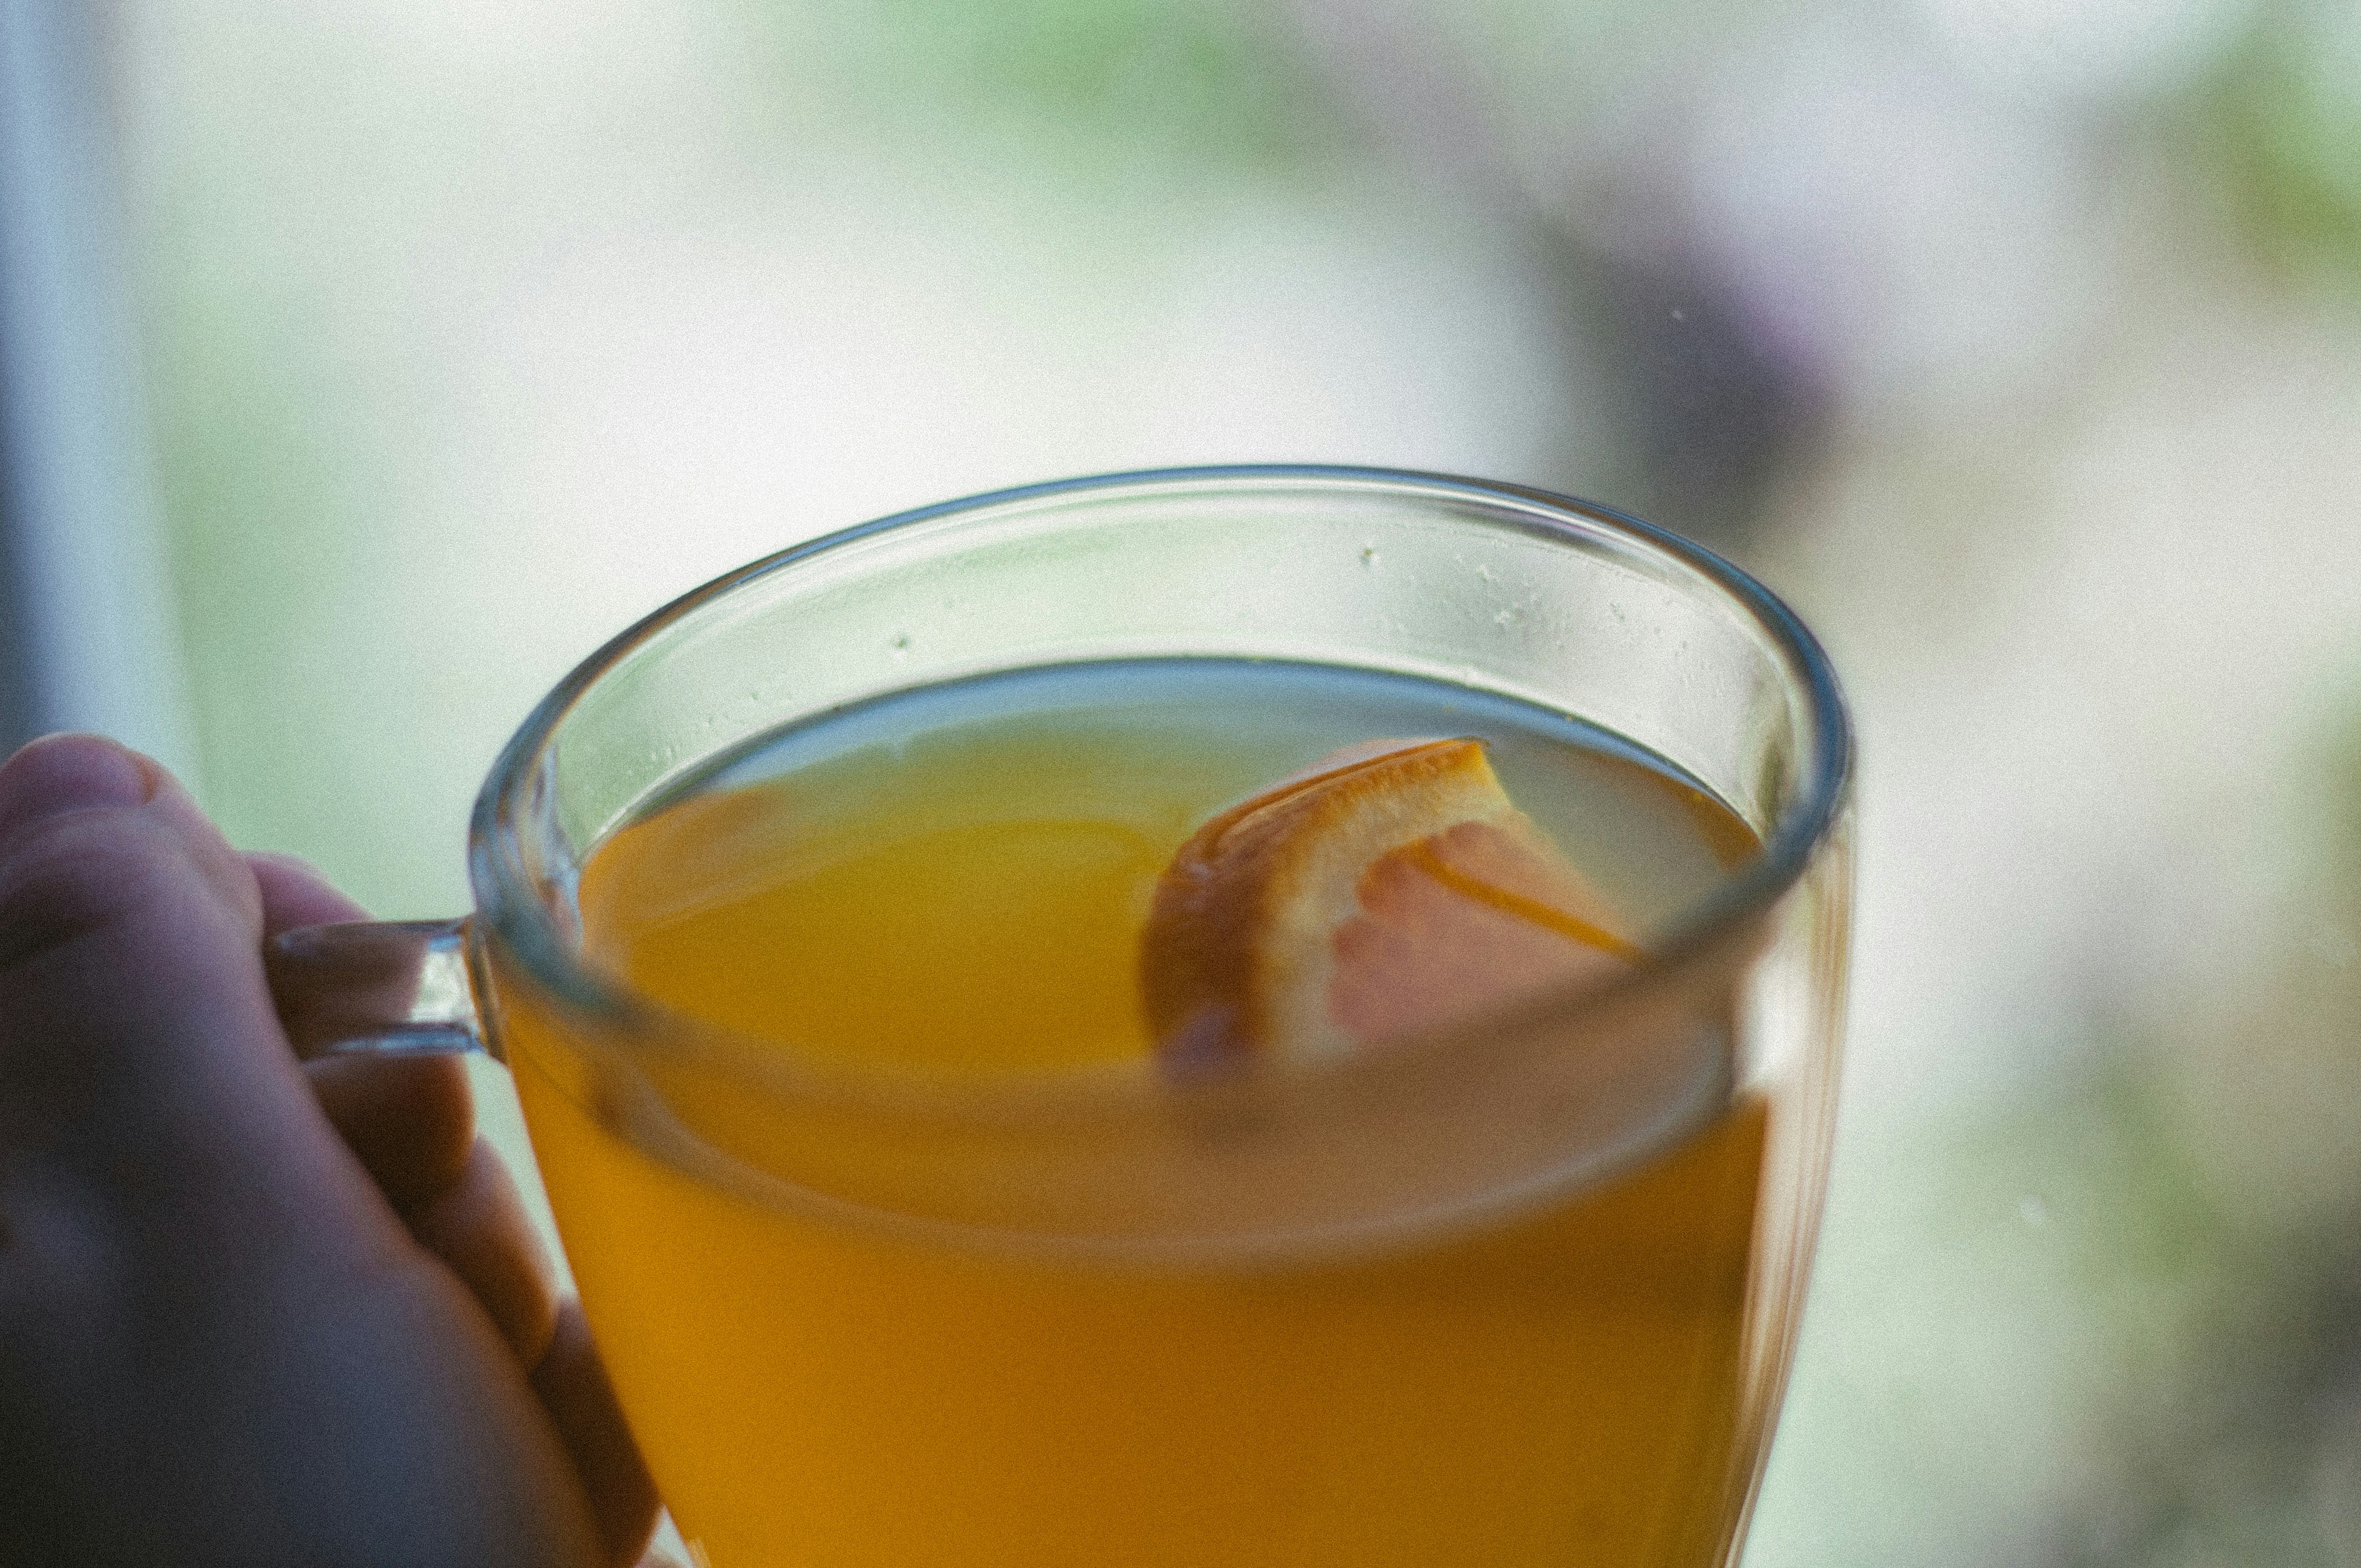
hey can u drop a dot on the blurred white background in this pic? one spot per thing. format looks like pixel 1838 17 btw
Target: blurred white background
pixel 2018 342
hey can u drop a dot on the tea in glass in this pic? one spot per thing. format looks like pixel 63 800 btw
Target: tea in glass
pixel 953 884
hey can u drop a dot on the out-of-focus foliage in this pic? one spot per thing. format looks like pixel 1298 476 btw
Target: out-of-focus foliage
pixel 2285 128
pixel 1090 84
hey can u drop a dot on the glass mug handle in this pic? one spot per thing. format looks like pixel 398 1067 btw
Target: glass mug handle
pixel 376 988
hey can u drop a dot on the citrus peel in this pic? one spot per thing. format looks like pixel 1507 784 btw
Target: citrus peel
pixel 1388 889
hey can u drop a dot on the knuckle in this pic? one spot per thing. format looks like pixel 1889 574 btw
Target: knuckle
pixel 76 876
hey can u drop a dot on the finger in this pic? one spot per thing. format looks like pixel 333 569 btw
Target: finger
pixel 410 1120
pixel 143 1062
pixel 294 893
pixel 332 991
pixel 479 1227
pixel 572 1386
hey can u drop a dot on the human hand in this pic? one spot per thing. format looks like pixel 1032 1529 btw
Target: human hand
pixel 253 1313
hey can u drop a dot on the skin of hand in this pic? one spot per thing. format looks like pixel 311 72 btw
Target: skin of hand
pixel 253 1313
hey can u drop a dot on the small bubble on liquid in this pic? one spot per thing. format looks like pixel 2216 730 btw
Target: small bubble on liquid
pixel 2033 1208
pixel 1368 554
pixel 1504 616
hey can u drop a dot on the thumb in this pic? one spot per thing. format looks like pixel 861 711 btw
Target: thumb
pixel 142 1067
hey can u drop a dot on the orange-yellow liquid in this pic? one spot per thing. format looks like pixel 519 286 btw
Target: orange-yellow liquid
pixel 813 1386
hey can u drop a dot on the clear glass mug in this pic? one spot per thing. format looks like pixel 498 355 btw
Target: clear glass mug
pixel 1524 1291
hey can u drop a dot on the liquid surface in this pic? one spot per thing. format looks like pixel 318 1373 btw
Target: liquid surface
pixel 950 884
pixel 827 889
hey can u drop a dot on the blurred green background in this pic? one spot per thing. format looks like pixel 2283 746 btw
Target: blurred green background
pixel 2018 342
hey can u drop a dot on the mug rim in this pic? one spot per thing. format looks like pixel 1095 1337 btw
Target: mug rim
pixel 509 908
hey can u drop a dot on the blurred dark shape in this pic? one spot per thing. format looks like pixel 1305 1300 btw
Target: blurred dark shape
pixel 1701 410
pixel 1714 412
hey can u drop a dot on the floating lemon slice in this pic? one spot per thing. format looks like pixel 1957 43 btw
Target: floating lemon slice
pixel 1392 887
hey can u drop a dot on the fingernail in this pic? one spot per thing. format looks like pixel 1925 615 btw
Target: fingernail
pixel 73 772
